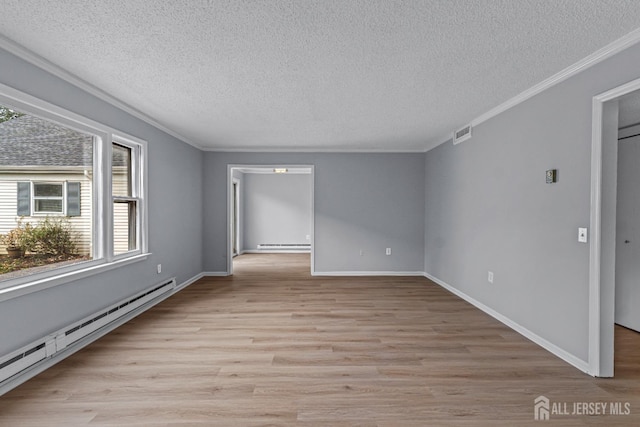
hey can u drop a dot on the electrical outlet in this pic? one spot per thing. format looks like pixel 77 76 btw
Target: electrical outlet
pixel 308 236
pixel 388 251
pixel 490 277
pixel 159 268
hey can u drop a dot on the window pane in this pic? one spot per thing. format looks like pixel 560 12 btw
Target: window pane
pixel 121 171
pixel 37 157
pixel 47 205
pixel 124 226
pixel 47 190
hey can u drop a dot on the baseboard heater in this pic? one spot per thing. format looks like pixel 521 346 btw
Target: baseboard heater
pixel 45 348
pixel 283 246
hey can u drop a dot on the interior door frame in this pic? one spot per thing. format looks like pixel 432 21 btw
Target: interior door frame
pixel 235 217
pixel 602 224
pixel 230 170
pixel 626 253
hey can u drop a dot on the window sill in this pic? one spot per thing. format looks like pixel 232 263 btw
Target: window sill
pixel 20 289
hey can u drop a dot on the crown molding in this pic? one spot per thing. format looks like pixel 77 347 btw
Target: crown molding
pixel 598 56
pixel 595 58
pixel 46 65
pixel 318 150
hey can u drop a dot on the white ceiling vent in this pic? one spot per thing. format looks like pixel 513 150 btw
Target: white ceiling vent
pixel 462 134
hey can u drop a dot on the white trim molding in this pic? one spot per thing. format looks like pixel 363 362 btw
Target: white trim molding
pixel 601 330
pixel 35 283
pixel 596 57
pixel 300 168
pixel 46 65
pixel 368 273
pixel 274 251
pixel 312 150
pixel 552 348
pixel 187 282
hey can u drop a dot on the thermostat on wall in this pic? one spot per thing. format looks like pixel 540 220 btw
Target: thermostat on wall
pixel 552 176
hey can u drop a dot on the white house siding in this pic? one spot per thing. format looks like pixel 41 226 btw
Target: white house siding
pixel 120 213
pixel 120 229
pixel 81 225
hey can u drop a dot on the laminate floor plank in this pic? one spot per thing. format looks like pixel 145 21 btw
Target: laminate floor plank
pixel 274 346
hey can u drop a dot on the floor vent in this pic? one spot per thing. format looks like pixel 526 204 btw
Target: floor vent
pixel 462 134
pixel 48 346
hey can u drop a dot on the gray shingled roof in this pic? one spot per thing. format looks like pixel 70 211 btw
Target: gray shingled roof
pixel 31 141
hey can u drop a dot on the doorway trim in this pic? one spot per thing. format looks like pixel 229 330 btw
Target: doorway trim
pixel 602 292
pixel 230 169
pixel 235 217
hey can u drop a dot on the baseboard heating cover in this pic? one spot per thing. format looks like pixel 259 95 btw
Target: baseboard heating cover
pixel 283 246
pixel 51 345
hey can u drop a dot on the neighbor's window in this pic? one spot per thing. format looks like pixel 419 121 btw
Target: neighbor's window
pixel 48 197
pixel 45 198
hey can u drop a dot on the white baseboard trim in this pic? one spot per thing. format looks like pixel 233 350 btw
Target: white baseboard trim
pixel 559 352
pixel 214 274
pixel 367 273
pixel 188 282
pixel 275 251
pixel 31 372
pixel 47 363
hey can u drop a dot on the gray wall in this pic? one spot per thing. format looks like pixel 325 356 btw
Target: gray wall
pixel 276 208
pixel 455 212
pixel 362 201
pixel 488 207
pixel 175 217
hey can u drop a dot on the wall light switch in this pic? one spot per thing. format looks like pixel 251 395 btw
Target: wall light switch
pixel 490 277
pixel 159 268
pixel 582 235
pixel 388 251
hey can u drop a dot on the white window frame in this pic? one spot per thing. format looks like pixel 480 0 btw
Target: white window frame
pixel 102 217
pixel 36 213
pixel 138 183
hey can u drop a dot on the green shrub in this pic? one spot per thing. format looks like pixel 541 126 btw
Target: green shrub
pixel 50 237
pixel 18 238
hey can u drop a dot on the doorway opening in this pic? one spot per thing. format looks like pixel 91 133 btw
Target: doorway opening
pixel 270 210
pixel 606 235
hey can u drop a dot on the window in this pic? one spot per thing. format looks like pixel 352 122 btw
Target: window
pixel 125 195
pixel 47 193
pixel 49 177
pixel 48 198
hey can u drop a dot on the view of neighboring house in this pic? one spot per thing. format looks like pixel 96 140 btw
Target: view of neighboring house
pixel 46 170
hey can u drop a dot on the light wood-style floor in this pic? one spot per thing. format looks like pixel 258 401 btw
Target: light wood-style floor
pixel 274 346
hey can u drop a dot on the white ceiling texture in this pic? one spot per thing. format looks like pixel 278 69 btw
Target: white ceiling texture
pixel 315 75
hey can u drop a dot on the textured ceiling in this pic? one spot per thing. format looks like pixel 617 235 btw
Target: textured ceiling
pixel 315 74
